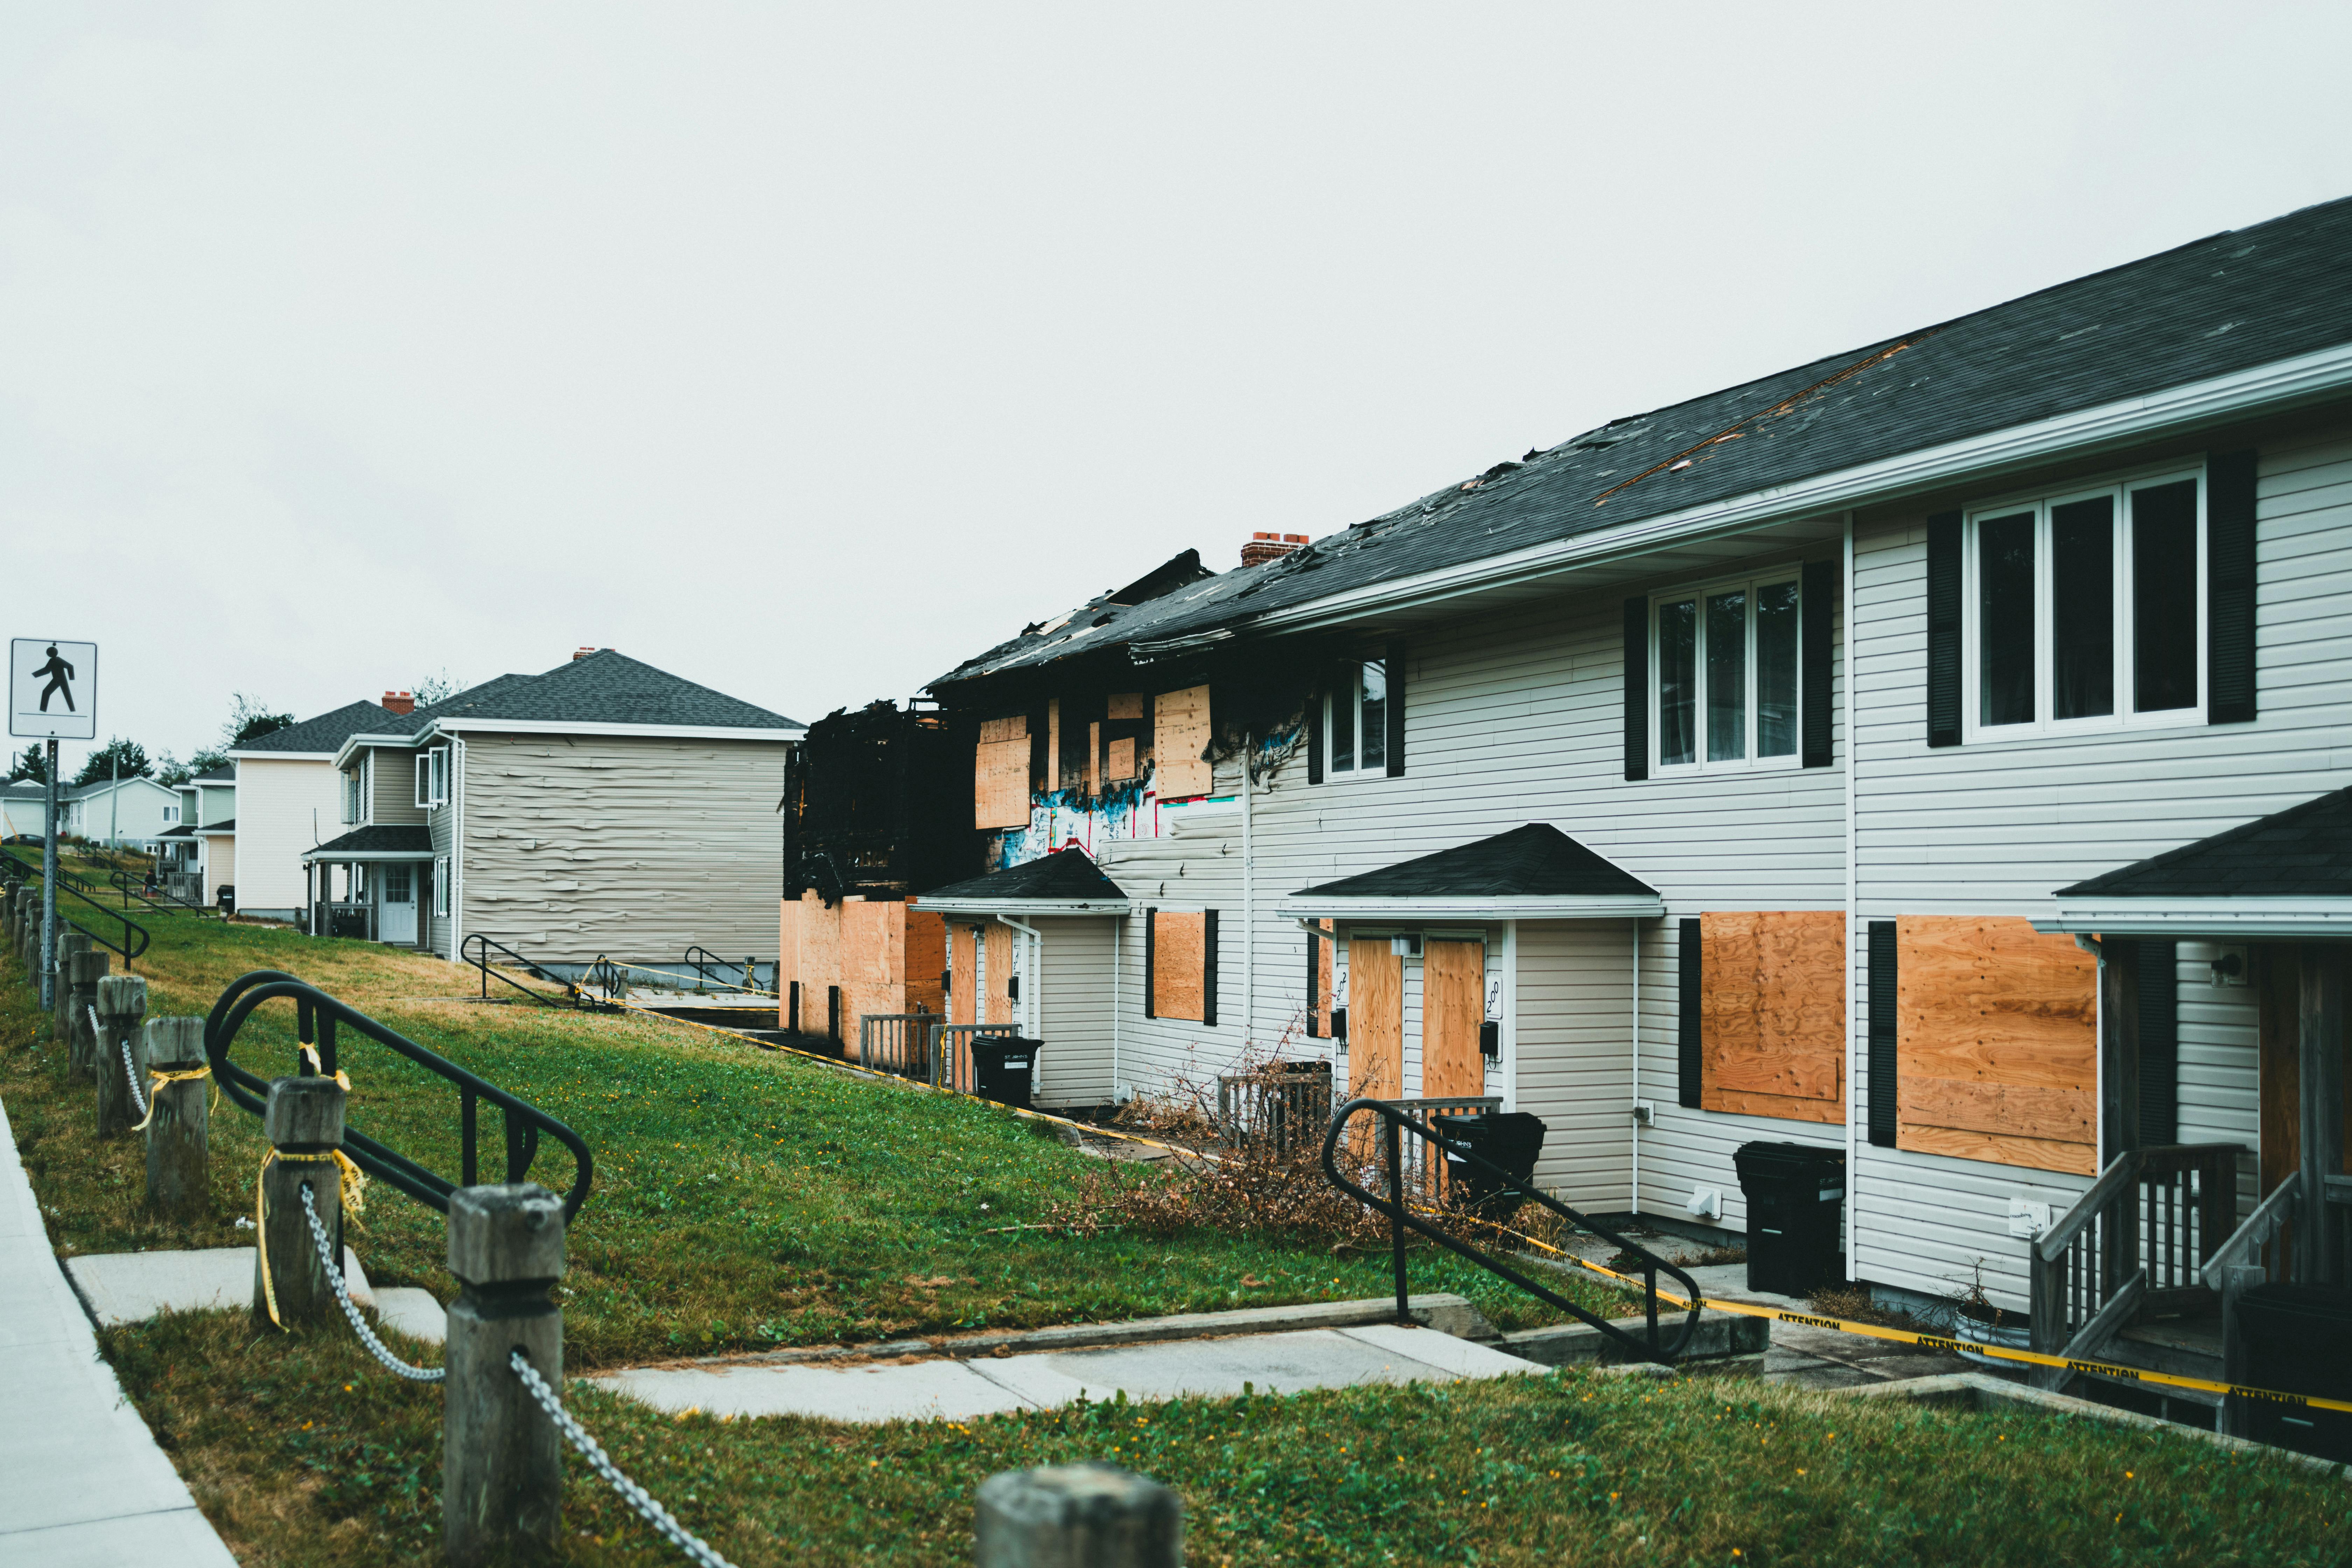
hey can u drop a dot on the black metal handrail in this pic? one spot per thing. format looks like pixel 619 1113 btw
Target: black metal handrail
pixel 317 1014
pixel 1394 1122
pixel 135 939
pixel 162 899
pixel 709 960
pixel 475 950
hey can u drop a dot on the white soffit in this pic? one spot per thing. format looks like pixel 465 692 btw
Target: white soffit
pixel 2220 918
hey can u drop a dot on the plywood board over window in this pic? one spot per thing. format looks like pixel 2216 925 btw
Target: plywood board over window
pixel 1773 1014
pixel 1000 774
pixel 1997 1043
pixel 1183 952
pixel 1179 733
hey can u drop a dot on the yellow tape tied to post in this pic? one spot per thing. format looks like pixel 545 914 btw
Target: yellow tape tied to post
pixel 354 1195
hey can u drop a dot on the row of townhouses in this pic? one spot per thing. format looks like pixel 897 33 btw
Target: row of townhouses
pixel 1933 753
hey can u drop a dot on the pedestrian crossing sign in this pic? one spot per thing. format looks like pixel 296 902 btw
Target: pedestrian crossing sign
pixel 53 689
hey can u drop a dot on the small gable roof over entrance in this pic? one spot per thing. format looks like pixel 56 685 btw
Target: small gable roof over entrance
pixel 2287 874
pixel 1065 882
pixel 1535 872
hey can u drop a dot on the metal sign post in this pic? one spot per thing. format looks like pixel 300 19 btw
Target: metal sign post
pixel 52 696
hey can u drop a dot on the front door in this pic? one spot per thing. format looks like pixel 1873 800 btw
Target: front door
pixel 1452 1005
pixel 396 919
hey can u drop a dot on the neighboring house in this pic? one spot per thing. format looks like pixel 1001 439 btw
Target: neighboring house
pixel 200 852
pixel 1730 760
pixel 289 799
pixel 133 812
pixel 603 808
pixel 25 809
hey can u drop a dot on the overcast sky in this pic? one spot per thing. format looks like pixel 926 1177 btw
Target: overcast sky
pixel 804 351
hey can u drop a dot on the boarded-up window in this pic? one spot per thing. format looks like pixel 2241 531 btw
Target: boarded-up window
pixel 1001 778
pixel 1773 1014
pixel 1179 733
pixel 1122 761
pixel 1124 705
pixel 1997 1043
pixel 1184 964
pixel 1319 949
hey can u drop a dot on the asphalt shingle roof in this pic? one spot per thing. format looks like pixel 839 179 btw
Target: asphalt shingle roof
pixel 409 838
pixel 327 732
pixel 1065 874
pixel 1109 619
pixel 1537 861
pixel 2225 303
pixel 602 687
pixel 2305 851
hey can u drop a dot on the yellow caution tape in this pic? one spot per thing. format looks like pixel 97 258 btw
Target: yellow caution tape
pixel 156 1080
pixel 355 1196
pixel 1953 1342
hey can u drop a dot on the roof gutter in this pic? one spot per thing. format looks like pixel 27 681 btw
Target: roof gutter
pixel 1604 905
pixel 2227 919
pixel 1002 907
pixel 2264 389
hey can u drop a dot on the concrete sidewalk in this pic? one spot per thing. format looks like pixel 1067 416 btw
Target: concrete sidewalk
pixel 82 1484
pixel 954 1390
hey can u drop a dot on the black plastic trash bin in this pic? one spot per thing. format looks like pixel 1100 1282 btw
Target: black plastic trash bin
pixel 1796 1207
pixel 2299 1340
pixel 226 896
pixel 1511 1139
pixel 1001 1066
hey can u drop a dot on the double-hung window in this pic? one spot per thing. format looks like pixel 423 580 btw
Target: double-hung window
pixel 352 791
pixel 1725 694
pixel 2084 609
pixel 1356 714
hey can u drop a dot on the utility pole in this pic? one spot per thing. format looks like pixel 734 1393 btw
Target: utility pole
pixel 114 802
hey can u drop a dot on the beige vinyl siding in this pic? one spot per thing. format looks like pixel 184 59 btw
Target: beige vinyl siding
pixel 220 865
pixel 1995 828
pixel 1573 1052
pixel 441 823
pixel 393 793
pixel 632 847
pixel 1075 1009
pixel 285 807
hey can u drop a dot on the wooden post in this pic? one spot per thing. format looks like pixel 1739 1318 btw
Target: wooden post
pixel 121 1008
pixel 501 1457
pixel 83 972
pixel 1076 1516
pixel 2322 1052
pixel 178 1176
pixel 304 1116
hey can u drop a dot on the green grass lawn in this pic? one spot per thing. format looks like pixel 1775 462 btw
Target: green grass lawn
pixel 743 1199
pixel 304 1452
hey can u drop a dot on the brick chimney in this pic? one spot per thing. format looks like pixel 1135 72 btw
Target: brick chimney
pixel 1264 547
pixel 581 653
pixel 400 701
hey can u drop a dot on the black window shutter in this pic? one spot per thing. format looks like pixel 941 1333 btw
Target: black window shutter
pixel 792 1015
pixel 1314 988
pixel 1151 934
pixel 1637 688
pixel 1396 709
pixel 1686 1054
pixel 832 1012
pixel 1316 700
pixel 1816 595
pixel 1882 980
pixel 1944 629
pixel 2160 1043
pixel 1209 967
pixel 2230 588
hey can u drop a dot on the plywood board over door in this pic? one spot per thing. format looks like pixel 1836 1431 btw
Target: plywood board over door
pixel 1452 1005
pixel 1773 1014
pixel 1375 1019
pixel 1997 1048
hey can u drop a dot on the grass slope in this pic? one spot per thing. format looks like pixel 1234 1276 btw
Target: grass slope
pixel 743 1199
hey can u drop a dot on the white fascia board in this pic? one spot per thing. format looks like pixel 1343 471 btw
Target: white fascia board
pixel 2219 918
pixel 1022 906
pixel 337 857
pixel 2282 384
pixel 778 735
pixel 1616 907
pixel 342 753
pixel 283 756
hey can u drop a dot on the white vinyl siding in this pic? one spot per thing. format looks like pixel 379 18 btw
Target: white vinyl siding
pixel 1073 981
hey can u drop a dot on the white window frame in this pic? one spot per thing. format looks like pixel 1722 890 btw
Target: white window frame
pixel 424 780
pixel 433 777
pixel 1748 761
pixel 354 793
pixel 171 814
pixel 441 887
pixel 1329 720
pixel 1973 730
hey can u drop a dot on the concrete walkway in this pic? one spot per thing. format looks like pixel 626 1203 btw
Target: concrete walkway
pixel 956 1390
pixel 82 1484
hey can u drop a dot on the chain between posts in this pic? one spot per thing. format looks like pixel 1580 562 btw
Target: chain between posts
pixel 344 1297
pixel 635 1496
pixel 130 1073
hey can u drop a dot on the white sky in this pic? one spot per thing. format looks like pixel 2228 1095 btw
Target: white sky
pixel 804 351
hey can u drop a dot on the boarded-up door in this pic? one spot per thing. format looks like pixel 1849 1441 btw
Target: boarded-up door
pixel 999 975
pixel 1453 1003
pixel 1375 1019
pixel 965 940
